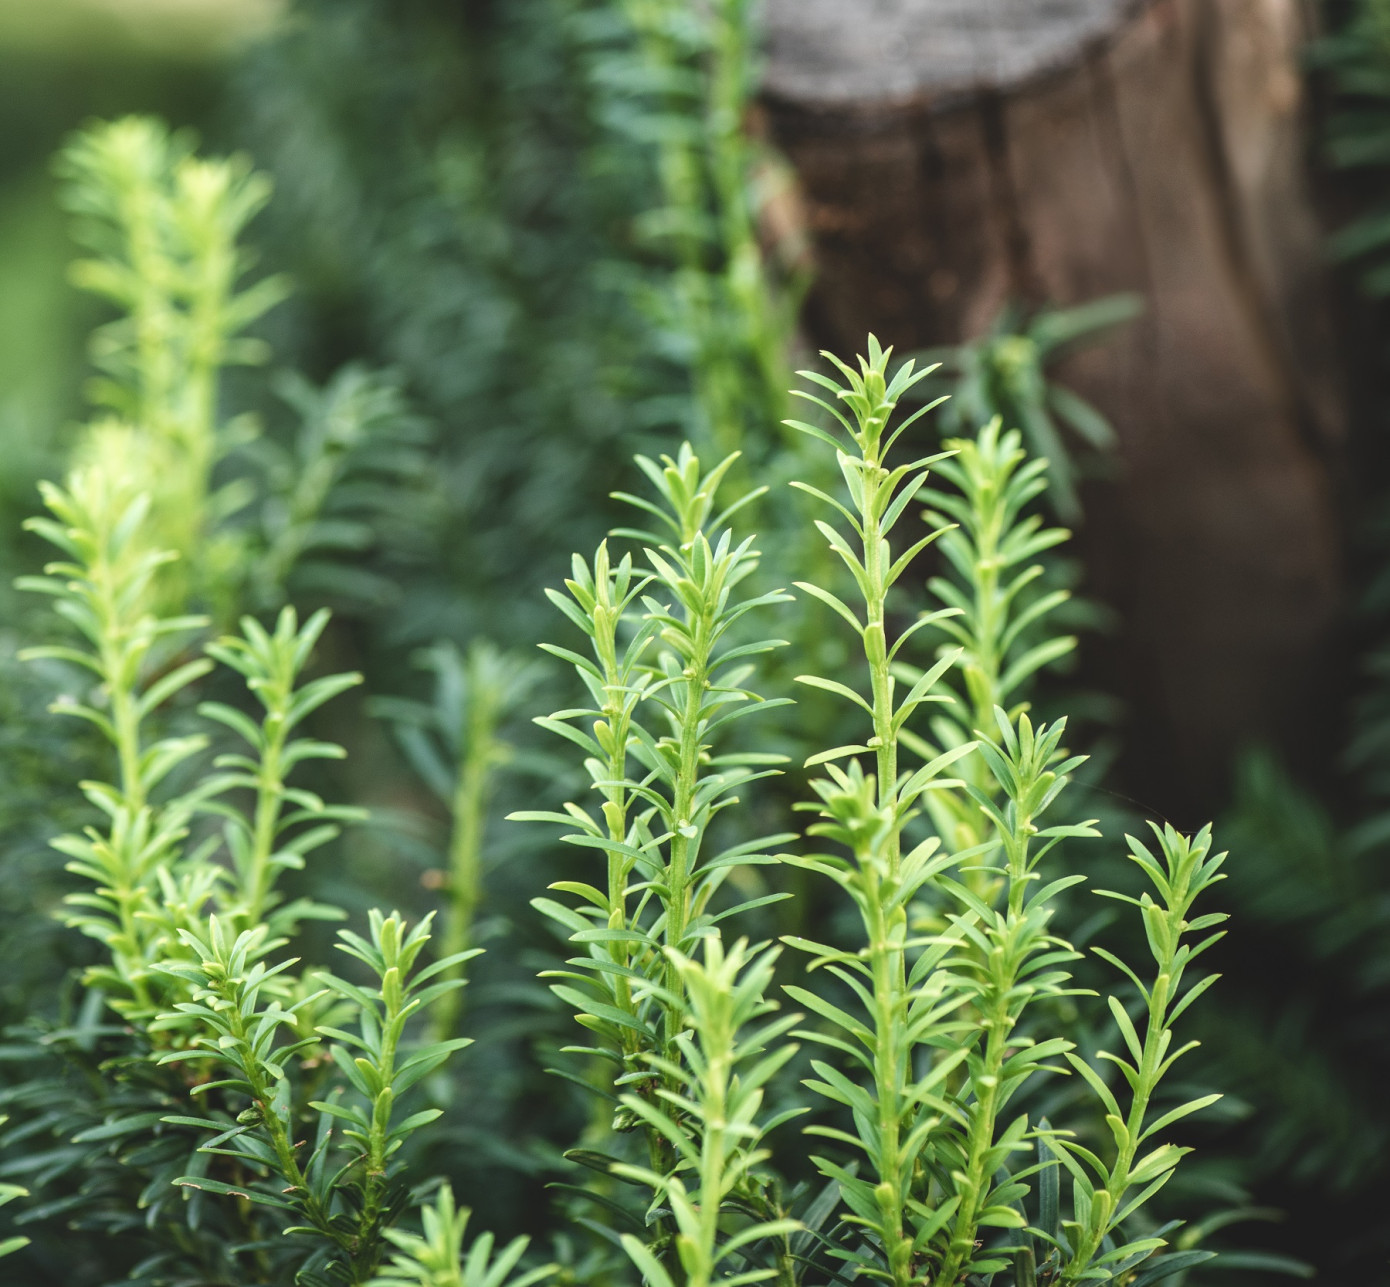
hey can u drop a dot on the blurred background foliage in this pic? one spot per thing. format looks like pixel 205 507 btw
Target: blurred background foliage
pixel 526 239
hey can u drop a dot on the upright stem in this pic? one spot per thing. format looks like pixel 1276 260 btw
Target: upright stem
pixel 270 791
pixel 1155 1043
pixel 117 666
pixel 713 1155
pixel 998 1015
pixel 678 871
pixel 890 1077
pixel 263 1096
pixel 472 792
pixel 615 809
pixel 150 312
pixel 884 743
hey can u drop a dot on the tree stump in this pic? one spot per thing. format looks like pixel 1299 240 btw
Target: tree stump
pixel 960 154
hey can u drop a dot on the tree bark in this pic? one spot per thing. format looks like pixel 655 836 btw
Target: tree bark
pixel 960 154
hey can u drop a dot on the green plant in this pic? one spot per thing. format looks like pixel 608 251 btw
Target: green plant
pixel 999 959
pixel 662 787
pixel 927 959
pixel 941 1012
pixel 711 1118
pixel 180 866
pixel 455 743
pixel 723 311
pixel 995 607
pixel 188 937
pixel 437 1259
pixel 163 227
pixel 236 1018
pixel 8 1193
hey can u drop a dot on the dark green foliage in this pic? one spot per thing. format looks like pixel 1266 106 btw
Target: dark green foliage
pixel 1355 56
pixel 347 505
pixel 1301 1031
pixel 445 175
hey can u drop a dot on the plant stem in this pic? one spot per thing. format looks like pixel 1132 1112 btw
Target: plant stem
pixel 998 1016
pixel 270 791
pixel 678 871
pixel 117 667
pixel 472 794
pixel 887 958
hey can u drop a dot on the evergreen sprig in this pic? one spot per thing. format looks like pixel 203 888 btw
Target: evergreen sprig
pixel 999 608
pixel 946 1028
pixel 709 1110
pixel 347 1203
pixel 271 840
pixel 163 227
pixel 437 1258
pixel 1184 869
pixel 664 697
pixel 105 589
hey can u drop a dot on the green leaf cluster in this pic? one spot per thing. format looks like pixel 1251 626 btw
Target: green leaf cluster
pixel 936 1022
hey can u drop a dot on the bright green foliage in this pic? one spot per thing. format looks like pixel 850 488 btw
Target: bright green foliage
pixel 142 879
pixel 272 840
pixel 166 228
pixel 163 227
pixel 943 1156
pixel 933 1023
pixel 181 879
pixel 995 608
pixel 666 689
pixel 936 1026
pixel 188 934
pixel 913 991
pixel 188 912
pixel 1008 962
pixel 868 815
pixel 1104 1195
pixel 712 1117
pixel 437 1259
pixel 106 590
pixel 348 1204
